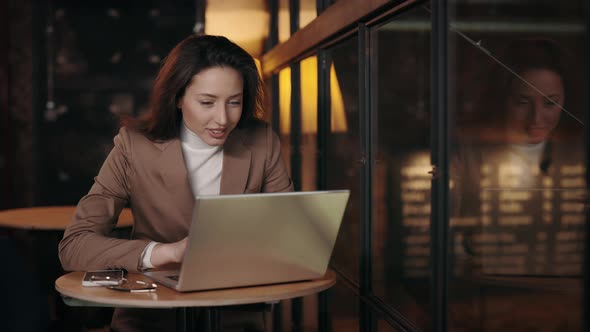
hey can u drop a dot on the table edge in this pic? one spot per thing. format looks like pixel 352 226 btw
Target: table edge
pixel 150 303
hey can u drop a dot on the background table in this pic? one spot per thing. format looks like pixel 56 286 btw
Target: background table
pixel 70 286
pixel 33 233
pixel 49 218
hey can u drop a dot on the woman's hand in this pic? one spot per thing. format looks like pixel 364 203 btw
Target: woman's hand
pixel 166 253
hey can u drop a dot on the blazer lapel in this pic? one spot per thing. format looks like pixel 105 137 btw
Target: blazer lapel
pixel 172 169
pixel 236 164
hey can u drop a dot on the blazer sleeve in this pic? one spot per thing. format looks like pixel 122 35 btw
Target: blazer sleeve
pixel 86 245
pixel 276 177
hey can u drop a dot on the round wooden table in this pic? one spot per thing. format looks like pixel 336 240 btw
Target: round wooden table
pixel 49 218
pixel 70 286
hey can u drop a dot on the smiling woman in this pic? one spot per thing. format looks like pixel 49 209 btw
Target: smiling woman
pixel 534 105
pixel 202 136
pixel 212 104
pixel 524 103
pixel 193 65
pixel 517 190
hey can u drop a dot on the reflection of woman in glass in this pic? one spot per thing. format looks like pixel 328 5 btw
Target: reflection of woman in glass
pixel 533 97
pixel 512 178
pixel 528 99
pixel 532 115
pixel 520 119
pixel 516 185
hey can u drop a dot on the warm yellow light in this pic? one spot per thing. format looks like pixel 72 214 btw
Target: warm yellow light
pixel 285 100
pixel 307 13
pixel 309 99
pixel 338 118
pixel 258 66
pixel 309 95
pixel 245 23
pixel 284 23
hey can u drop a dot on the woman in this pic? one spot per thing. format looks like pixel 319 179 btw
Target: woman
pixel 202 136
pixel 521 121
pixel 514 186
pixel 513 174
pixel 524 105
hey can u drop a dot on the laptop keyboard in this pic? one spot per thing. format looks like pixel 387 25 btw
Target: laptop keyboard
pixel 173 277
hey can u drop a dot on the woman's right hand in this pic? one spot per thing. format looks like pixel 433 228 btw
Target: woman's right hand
pixel 166 253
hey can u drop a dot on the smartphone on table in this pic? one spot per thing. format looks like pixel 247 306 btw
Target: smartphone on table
pixel 103 278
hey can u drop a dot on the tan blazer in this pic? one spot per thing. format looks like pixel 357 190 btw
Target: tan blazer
pixel 152 177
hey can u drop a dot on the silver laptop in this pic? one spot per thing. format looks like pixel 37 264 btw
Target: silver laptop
pixel 255 239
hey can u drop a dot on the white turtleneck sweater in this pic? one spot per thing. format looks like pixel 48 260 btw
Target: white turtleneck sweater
pixel 203 164
pixel 527 158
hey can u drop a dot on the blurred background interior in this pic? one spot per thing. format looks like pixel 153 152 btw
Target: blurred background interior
pixel 467 164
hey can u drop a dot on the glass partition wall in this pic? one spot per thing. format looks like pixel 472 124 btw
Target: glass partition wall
pixel 518 96
pixel 459 128
pixel 400 102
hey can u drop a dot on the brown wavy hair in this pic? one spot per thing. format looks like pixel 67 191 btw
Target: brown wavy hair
pixel 189 57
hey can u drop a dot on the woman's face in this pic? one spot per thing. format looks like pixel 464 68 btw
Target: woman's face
pixel 212 103
pixel 531 116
